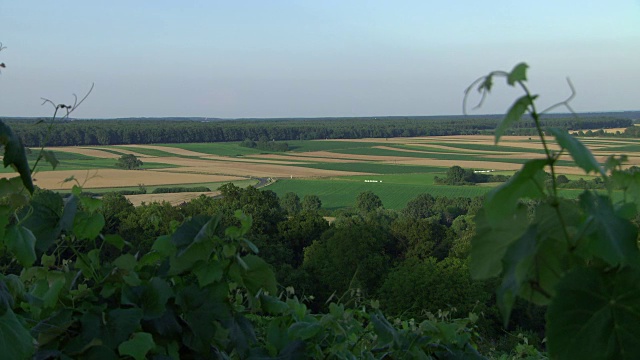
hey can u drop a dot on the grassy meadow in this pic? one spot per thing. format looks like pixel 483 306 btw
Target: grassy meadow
pixel 335 170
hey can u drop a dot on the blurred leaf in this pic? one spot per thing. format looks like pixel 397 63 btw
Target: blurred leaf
pixel 611 238
pixel 595 315
pixel 518 262
pixel 492 239
pixel 580 154
pixel 514 114
pixel 526 183
pixel 519 73
pixel 15 155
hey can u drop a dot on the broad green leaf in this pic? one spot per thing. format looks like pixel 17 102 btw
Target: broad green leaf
pixel 121 323
pixel 610 237
pixel 15 340
pixel 68 214
pixel 387 334
pixel 304 330
pixel 271 305
pixel 241 334
pixel 115 240
pixel 518 263
pixel 138 346
pixel 193 230
pixel 201 310
pixel 43 223
pixel 492 239
pixel 526 183
pixel 125 262
pixel 164 245
pixel 90 204
pixel 519 73
pixel 15 155
pixel 21 243
pixel 151 296
pixel 87 226
pixel 514 114
pixel 51 297
pixel 258 276
pixel 209 272
pixel 595 315
pixel 580 154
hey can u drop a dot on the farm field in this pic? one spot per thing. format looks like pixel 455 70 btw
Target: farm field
pixel 335 170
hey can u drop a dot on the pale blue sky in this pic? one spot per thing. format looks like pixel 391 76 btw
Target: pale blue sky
pixel 311 58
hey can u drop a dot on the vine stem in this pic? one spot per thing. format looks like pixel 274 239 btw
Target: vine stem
pixel 552 159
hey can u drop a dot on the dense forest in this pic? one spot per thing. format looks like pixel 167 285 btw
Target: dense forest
pixel 148 131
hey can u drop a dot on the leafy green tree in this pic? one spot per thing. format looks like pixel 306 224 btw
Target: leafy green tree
pixel 311 203
pixel 421 238
pixel 456 175
pixel 418 286
pixel 115 208
pixel 129 162
pixel 367 201
pixel 421 207
pixel 290 203
pixel 346 258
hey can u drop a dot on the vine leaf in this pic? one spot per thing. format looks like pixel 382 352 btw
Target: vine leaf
pixel 15 340
pixel 138 346
pixel 518 261
pixel 15 155
pixel 492 239
pixel 611 237
pixel 519 73
pixel 580 154
pixel 21 242
pixel 526 183
pixel 514 114
pixel 87 226
pixel 595 315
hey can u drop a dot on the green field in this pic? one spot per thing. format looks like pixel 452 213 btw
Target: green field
pixel 394 190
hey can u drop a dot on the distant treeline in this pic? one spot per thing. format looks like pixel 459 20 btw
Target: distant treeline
pixel 147 131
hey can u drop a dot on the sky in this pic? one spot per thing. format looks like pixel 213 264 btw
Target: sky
pixel 258 58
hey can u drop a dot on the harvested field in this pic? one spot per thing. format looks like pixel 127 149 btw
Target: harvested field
pixel 168 149
pixel 104 178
